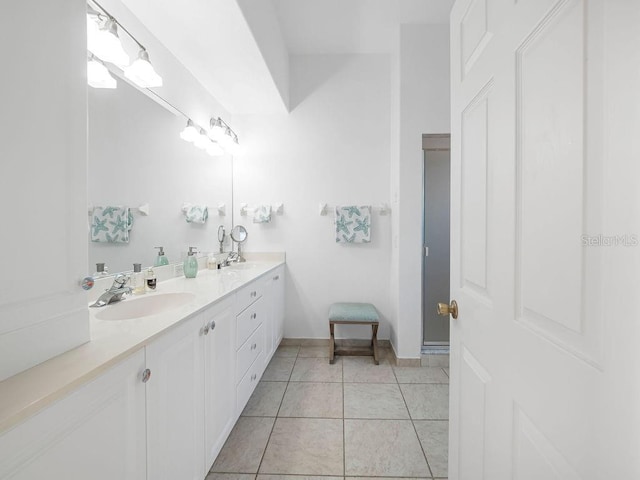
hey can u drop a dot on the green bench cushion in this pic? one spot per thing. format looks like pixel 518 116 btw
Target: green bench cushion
pixel 353 312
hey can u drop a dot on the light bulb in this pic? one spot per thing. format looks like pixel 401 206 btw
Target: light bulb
pixel 190 132
pixel 142 73
pixel 104 43
pixel 202 141
pixel 214 149
pixel 98 76
pixel 217 129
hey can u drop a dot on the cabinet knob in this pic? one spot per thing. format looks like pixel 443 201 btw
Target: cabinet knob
pixel 277 277
pixel 253 294
pixel 253 347
pixel 206 329
pixel 254 376
pixel 213 324
pixel 146 375
pixel 254 316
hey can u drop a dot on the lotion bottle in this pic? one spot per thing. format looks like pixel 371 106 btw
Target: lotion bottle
pixel 138 281
pixel 191 264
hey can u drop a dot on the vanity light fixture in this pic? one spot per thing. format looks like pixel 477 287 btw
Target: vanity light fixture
pixel 98 75
pixel 142 72
pixel 202 140
pixel 217 128
pixel 103 40
pixel 190 132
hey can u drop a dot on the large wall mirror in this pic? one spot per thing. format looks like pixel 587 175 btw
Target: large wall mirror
pixel 137 157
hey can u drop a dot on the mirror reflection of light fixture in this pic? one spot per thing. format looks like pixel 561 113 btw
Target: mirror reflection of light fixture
pixel 103 41
pixel 142 73
pixel 97 74
pixel 190 132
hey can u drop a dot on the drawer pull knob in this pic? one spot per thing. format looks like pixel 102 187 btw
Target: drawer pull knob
pixel 253 294
pixel 253 377
pixel 146 375
pixel 277 277
pixel 206 329
pixel 254 316
pixel 253 347
pixel 213 324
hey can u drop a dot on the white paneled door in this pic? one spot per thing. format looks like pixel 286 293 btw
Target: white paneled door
pixel 545 227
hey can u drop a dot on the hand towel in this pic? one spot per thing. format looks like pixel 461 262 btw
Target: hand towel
pixel 353 224
pixel 111 224
pixel 195 213
pixel 262 214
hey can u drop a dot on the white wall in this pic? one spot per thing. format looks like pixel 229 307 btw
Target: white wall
pixel 423 107
pixel 333 147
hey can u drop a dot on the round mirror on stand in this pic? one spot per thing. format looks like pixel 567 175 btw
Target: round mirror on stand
pixel 239 235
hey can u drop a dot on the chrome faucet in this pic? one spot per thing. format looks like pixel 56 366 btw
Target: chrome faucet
pixel 115 292
pixel 232 257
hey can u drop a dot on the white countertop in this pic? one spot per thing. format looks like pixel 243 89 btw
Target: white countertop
pixel 26 393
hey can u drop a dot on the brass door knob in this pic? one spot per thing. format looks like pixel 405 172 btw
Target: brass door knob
pixel 445 310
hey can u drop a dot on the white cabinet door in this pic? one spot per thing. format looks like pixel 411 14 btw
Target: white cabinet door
pixel 274 311
pixel 544 222
pixel 43 186
pixel 175 404
pixel 219 384
pixel 97 432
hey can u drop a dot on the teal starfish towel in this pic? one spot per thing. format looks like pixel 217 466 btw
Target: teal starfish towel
pixel 262 214
pixel 111 224
pixel 196 213
pixel 353 224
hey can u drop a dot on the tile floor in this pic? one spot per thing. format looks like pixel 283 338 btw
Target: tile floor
pixel 310 419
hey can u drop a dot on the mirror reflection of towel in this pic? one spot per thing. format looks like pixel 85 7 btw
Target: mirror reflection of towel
pixel 262 214
pixel 353 224
pixel 111 224
pixel 195 213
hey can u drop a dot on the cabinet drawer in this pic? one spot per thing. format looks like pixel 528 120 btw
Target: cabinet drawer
pixel 249 351
pixel 249 294
pixel 248 383
pixel 248 321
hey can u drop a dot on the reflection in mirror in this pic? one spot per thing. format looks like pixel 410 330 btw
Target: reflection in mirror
pixel 136 157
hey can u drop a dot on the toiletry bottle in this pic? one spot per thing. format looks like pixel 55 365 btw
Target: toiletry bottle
pixel 161 259
pixel 151 279
pixel 212 263
pixel 101 270
pixel 191 264
pixel 138 282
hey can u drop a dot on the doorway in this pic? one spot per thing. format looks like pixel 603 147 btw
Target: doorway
pixel 436 238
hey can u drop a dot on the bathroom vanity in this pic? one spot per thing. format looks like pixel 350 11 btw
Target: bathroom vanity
pixel 156 392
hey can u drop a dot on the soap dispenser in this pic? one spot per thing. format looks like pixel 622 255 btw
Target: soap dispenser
pixel 161 259
pixel 151 279
pixel 101 270
pixel 191 263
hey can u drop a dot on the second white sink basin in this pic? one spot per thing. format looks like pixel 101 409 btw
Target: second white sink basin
pixel 145 306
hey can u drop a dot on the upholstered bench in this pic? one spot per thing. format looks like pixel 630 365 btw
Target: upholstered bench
pixel 353 314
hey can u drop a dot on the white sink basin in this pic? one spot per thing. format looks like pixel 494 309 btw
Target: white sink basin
pixel 144 306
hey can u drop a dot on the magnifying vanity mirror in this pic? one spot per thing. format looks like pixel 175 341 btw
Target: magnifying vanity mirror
pixel 239 235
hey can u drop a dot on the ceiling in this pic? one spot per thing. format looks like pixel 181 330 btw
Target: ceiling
pixel 239 49
pixel 352 26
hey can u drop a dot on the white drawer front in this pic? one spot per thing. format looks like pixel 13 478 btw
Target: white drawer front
pixel 248 383
pixel 248 295
pixel 249 351
pixel 248 321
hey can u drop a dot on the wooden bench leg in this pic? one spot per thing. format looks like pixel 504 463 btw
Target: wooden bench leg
pixel 374 343
pixel 332 343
